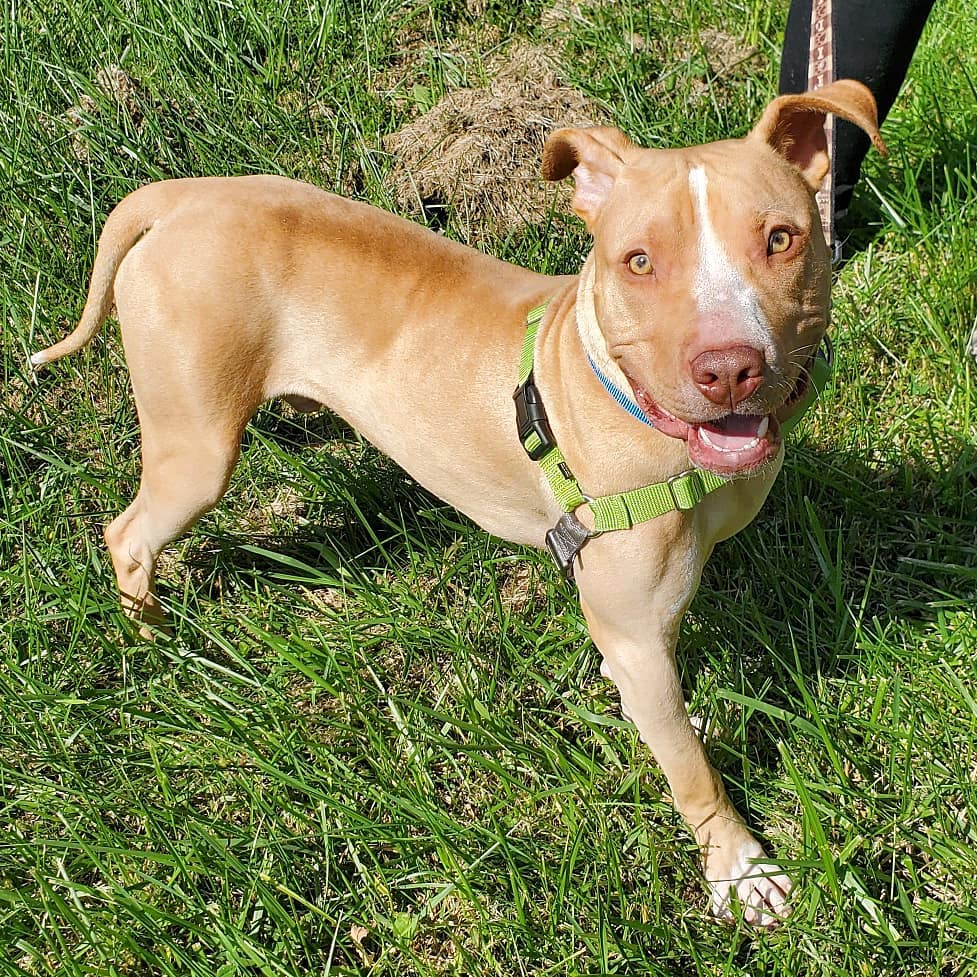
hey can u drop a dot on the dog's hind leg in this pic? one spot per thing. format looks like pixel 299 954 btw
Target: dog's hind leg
pixel 196 382
pixel 184 475
pixel 191 441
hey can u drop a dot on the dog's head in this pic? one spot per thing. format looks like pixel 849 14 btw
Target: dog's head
pixel 707 288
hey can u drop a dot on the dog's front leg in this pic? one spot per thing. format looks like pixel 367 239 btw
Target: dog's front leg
pixel 634 601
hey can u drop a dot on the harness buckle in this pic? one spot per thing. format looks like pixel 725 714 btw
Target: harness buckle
pixel 531 420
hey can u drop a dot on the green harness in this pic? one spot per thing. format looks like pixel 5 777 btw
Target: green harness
pixel 625 509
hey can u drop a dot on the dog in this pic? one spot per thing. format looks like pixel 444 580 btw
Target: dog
pixel 666 368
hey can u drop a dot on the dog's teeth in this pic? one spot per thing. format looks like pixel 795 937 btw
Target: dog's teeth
pixel 752 443
pixel 704 436
pixel 762 428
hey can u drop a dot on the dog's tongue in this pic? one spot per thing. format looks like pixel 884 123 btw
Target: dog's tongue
pixel 734 444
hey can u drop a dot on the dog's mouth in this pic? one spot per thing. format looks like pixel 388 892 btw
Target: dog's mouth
pixel 734 445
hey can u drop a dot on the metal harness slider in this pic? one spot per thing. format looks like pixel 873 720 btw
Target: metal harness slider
pixel 565 541
pixel 692 498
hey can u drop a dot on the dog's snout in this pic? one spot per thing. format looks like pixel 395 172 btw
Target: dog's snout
pixel 728 376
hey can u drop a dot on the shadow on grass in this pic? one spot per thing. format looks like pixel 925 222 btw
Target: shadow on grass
pixel 354 511
pixel 843 547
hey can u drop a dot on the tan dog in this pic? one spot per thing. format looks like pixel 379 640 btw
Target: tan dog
pixel 703 300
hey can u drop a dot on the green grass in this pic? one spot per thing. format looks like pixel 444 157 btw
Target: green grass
pixel 378 742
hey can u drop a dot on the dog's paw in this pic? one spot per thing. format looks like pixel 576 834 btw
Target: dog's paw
pixel 758 887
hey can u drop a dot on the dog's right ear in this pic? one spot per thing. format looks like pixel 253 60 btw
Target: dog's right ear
pixel 594 157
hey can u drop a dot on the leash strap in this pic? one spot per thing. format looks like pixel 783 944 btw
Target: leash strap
pixel 611 512
pixel 821 72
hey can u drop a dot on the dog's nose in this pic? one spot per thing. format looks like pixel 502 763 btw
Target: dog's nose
pixel 728 376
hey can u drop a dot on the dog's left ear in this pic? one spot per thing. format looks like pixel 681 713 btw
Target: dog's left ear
pixel 794 124
pixel 594 157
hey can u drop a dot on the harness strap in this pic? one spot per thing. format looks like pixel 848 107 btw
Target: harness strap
pixel 611 512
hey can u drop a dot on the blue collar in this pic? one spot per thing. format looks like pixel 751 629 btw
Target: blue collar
pixel 619 395
pixel 820 374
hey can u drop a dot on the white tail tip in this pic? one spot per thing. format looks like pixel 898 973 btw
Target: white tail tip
pixel 38 359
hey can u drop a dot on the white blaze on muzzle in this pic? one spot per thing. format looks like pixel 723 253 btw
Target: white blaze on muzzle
pixel 718 286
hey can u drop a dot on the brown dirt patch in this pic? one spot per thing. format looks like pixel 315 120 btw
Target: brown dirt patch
pixel 478 150
pixel 727 55
pixel 564 12
pixel 116 86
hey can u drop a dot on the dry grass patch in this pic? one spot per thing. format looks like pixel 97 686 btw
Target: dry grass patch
pixel 477 152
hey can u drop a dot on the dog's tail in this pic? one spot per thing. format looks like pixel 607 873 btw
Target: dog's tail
pixel 130 220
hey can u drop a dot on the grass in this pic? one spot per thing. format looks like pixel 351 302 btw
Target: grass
pixel 378 742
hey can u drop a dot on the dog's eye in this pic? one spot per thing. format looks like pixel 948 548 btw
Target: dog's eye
pixel 639 263
pixel 778 242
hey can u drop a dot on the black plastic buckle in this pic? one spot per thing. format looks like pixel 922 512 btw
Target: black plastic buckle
pixel 531 418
